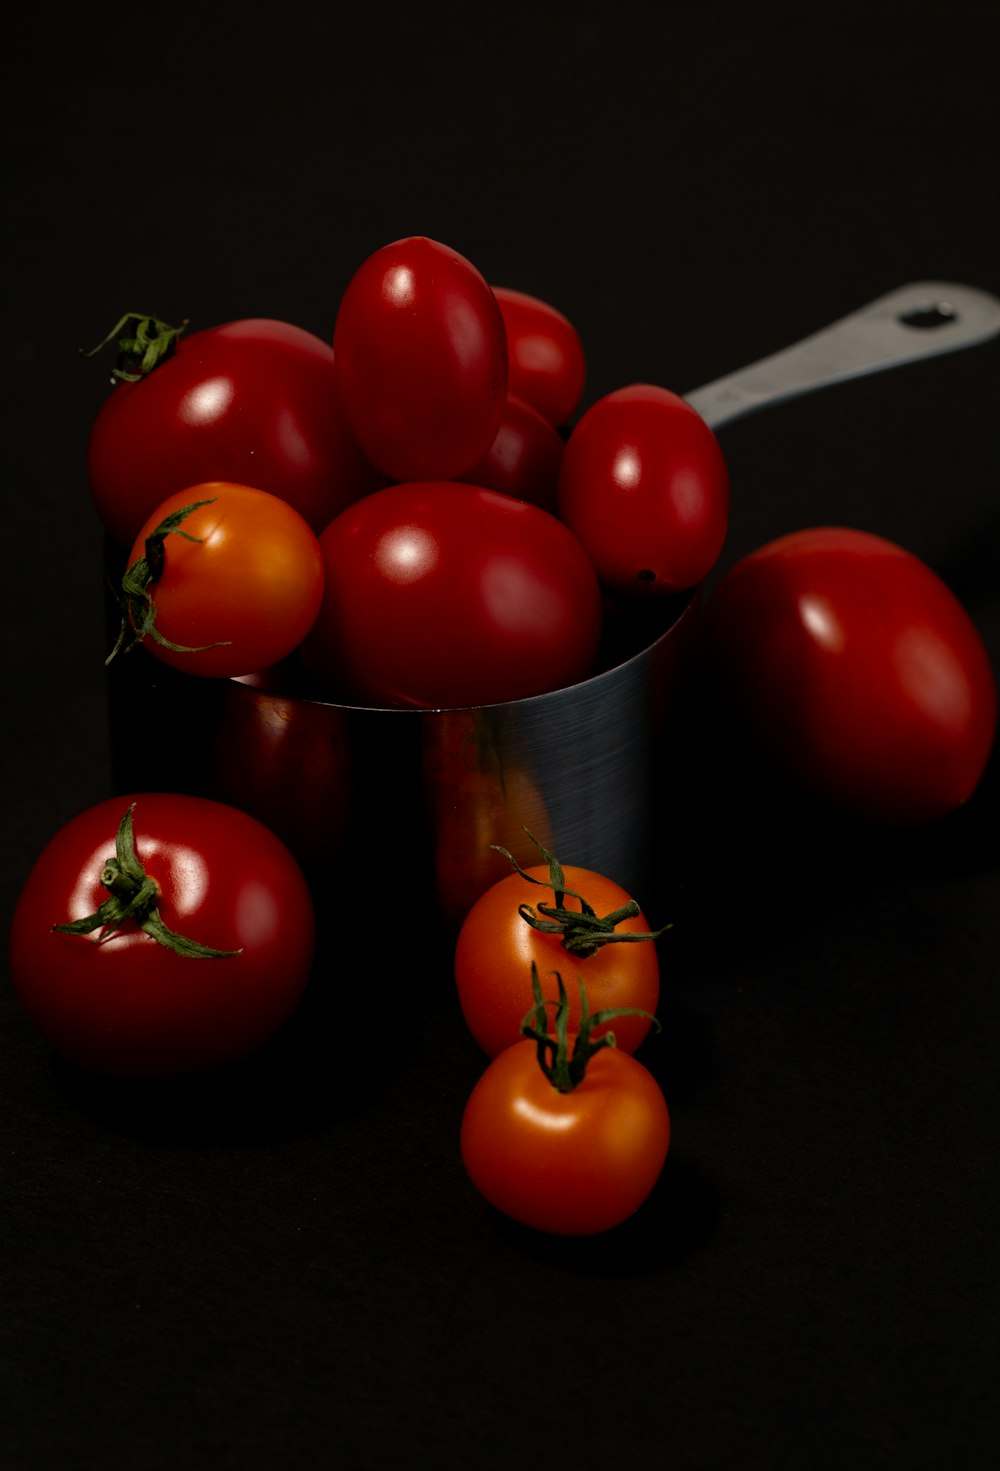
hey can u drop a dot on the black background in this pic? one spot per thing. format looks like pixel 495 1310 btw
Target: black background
pixel 287 1266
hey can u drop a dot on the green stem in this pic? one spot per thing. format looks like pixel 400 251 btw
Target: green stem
pixel 566 1070
pixel 132 894
pixel 139 610
pixel 583 932
pixel 142 342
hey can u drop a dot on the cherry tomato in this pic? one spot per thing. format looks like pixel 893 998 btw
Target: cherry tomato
pixel 644 486
pixel 547 364
pixel 421 360
pixel 440 594
pixel 128 1005
pixel 242 595
pixel 571 1163
pixel 253 401
pixel 523 460
pixel 496 947
pixel 857 671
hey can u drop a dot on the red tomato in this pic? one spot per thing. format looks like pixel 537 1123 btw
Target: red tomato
pixel 254 402
pixel 857 670
pixel 496 947
pixel 644 486
pixel 523 460
pixel 421 360
pixel 547 364
pixel 570 1163
pixel 441 594
pixel 249 587
pixel 126 1005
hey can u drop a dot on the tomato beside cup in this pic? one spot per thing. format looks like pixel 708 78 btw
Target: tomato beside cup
pixel 856 672
pixel 124 1004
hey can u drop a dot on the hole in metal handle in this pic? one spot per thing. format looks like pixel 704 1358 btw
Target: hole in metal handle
pixel 929 314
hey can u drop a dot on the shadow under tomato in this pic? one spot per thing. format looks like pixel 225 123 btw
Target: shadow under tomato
pixel 676 1221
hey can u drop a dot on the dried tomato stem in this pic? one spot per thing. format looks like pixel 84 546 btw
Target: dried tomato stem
pixel 566 1070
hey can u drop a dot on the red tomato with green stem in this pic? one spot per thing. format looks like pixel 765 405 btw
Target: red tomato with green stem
pixel 856 671
pixel 444 595
pixel 644 486
pixel 421 360
pixel 515 925
pixel 547 366
pixel 160 935
pixel 222 580
pixel 253 401
pixel 567 1136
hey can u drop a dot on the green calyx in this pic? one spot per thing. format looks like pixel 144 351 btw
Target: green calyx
pixel 564 1069
pixel 132 894
pixel 141 343
pixel 583 931
pixel 139 610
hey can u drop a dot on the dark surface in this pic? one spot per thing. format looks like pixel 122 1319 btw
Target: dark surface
pixel 287 1266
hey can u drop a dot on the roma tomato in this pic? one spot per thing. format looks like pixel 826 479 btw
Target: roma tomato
pixel 856 671
pixel 253 401
pixel 125 1003
pixel 523 460
pixel 566 1143
pixel 644 486
pixel 236 585
pixel 421 360
pixel 440 594
pixel 547 366
pixel 497 947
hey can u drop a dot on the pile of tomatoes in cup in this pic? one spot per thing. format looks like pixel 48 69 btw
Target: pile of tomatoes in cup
pixel 410 517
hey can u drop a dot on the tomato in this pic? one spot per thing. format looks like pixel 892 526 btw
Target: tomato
pixel 243 594
pixel 440 594
pixel 253 401
pixel 496 948
pixel 547 364
pixel 857 671
pixel 421 360
pixel 568 1151
pixel 523 460
pixel 644 486
pixel 126 1004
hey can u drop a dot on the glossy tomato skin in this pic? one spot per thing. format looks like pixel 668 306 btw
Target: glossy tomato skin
pixel 441 595
pixel 572 1164
pixel 496 947
pixel 523 460
pixel 856 671
pixel 249 587
pixel 421 360
pixel 547 365
pixel 644 485
pixel 127 1006
pixel 253 401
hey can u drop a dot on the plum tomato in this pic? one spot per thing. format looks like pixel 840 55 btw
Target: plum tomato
pixel 253 401
pixel 442 595
pixel 565 1135
pixel 523 460
pixel 238 584
pixel 118 998
pixel 547 367
pixel 644 486
pixel 421 360
pixel 497 947
pixel 856 671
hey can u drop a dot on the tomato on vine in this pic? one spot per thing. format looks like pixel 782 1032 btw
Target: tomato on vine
pixel 223 580
pixel 568 1139
pixel 253 401
pixel 592 919
pixel 159 935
